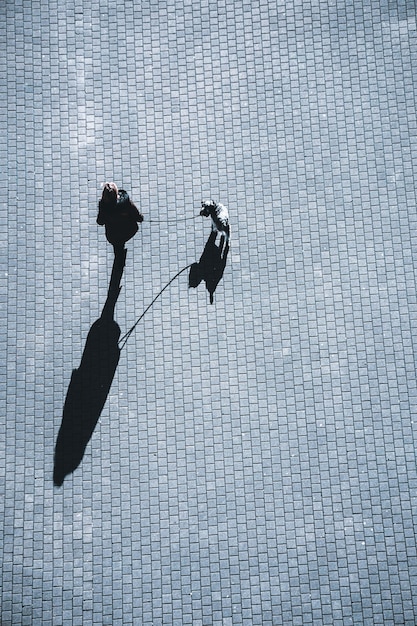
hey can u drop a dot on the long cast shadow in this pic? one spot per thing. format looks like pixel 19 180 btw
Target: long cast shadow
pixel 90 383
pixel 210 267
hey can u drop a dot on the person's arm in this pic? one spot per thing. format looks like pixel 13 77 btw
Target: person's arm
pixel 101 215
pixel 136 214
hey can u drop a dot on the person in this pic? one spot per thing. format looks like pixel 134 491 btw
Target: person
pixel 119 216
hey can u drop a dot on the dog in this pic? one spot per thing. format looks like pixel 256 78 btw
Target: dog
pixel 219 220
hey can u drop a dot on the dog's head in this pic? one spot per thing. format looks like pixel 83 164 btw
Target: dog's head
pixel 208 208
pixel 110 192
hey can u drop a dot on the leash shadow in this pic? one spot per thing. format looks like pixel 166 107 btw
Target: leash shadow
pixel 90 383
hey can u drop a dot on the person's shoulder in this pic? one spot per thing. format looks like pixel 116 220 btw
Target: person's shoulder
pixel 123 196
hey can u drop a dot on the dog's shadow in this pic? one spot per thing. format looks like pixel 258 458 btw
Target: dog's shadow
pixel 211 265
pixel 90 383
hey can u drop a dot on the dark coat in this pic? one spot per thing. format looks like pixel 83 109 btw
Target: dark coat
pixel 120 219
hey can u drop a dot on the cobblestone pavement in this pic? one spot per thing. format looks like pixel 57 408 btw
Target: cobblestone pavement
pixel 255 460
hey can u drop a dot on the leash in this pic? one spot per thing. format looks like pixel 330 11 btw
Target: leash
pixel 123 340
pixel 182 219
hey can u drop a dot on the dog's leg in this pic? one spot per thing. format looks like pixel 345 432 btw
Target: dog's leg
pixel 214 231
pixel 222 240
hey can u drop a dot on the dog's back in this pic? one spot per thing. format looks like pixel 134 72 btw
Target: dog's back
pixel 219 217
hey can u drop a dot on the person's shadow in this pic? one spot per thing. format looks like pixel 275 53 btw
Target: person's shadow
pixel 90 383
pixel 210 267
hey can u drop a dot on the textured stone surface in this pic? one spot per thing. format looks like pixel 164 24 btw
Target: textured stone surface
pixel 255 460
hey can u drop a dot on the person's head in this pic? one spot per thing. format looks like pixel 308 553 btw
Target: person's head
pixel 110 192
